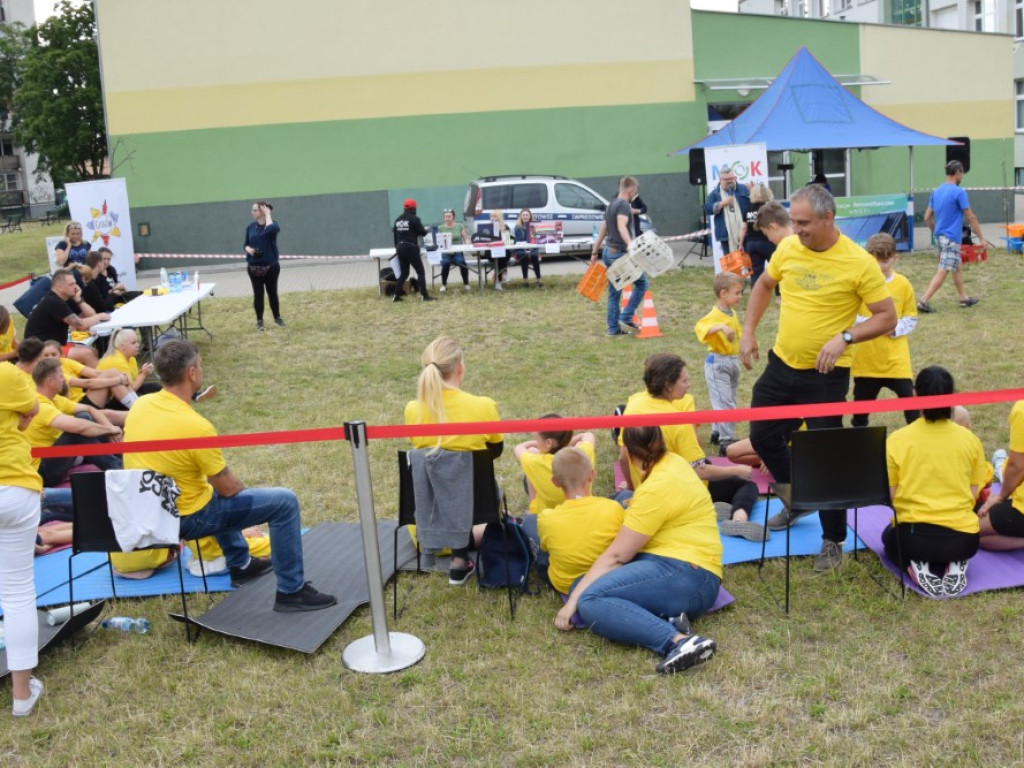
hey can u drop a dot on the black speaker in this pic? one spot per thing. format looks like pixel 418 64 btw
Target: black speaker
pixel 961 153
pixel 698 171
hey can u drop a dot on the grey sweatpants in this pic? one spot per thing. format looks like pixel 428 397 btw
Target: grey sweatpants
pixel 722 374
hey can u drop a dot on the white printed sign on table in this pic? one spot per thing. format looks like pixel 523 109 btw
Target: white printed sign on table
pixel 102 209
pixel 750 164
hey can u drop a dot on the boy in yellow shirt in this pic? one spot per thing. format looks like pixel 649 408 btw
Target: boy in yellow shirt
pixel 579 529
pixel 720 330
pixel 884 362
pixel 536 457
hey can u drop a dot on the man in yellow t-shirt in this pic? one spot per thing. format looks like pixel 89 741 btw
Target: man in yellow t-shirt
pixel 823 278
pixel 62 422
pixel 212 500
pixel 579 529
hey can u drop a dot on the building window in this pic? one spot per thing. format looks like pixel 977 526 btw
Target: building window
pixel 984 15
pixel 1019 98
pixel 1018 19
pixel 906 13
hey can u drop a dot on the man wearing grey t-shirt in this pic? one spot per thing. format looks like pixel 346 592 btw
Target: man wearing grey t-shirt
pixel 616 233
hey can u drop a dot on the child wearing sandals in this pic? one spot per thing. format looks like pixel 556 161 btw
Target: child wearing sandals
pixel 935 469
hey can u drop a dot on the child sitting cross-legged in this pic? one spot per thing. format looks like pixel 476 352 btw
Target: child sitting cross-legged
pixel 579 529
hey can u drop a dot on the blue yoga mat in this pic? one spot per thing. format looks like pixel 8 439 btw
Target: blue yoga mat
pixel 51 571
pixel 804 538
pixel 95 584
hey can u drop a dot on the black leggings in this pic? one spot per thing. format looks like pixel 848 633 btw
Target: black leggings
pixel 931 543
pixel 528 258
pixel 409 256
pixel 739 492
pixel 867 388
pixel 268 282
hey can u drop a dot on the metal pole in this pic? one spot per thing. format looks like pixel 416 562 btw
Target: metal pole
pixel 382 651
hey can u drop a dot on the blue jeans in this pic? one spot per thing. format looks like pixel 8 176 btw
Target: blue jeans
pixel 630 604
pixel 225 517
pixel 609 257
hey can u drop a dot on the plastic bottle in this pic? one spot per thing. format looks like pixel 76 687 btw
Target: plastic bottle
pixel 125 624
pixel 164 280
pixel 59 615
pixel 195 278
pixel 175 282
pixel 185 282
pixel 594 231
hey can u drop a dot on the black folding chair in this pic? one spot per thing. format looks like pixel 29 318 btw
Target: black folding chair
pixel 92 531
pixel 487 508
pixel 831 469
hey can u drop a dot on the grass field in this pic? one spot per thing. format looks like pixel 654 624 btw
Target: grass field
pixel 851 678
pixel 24 252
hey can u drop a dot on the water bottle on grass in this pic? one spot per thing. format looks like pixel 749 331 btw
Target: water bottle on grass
pixel 126 624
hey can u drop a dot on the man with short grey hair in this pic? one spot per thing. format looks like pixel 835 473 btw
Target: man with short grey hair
pixel 947 209
pixel 727 205
pixel 823 279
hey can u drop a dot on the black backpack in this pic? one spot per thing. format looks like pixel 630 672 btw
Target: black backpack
pixel 504 559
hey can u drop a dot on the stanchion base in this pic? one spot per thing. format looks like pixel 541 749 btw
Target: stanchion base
pixel 361 655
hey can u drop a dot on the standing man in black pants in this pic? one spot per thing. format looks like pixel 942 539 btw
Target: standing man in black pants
pixel 823 278
pixel 263 260
pixel 407 230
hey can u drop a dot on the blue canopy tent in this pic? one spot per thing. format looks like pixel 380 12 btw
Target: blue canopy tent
pixel 806 109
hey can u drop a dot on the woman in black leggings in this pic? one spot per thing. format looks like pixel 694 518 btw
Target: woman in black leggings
pixel 263 260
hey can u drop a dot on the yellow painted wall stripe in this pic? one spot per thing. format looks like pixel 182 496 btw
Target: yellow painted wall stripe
pixel 154 44
pixel 425 93
pixel 977 119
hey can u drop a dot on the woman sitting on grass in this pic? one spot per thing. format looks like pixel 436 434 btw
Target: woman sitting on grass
pixel 664 566
pixel 935 470
pixel 439 400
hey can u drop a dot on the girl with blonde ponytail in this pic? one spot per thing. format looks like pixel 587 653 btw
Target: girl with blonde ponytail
pixel 440 399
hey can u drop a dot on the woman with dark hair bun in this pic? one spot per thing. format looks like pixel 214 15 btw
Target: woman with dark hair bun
pixel 935 470
pixel 663 568
pixel 262 260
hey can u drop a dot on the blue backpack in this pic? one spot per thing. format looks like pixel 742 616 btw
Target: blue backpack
pixel 505 559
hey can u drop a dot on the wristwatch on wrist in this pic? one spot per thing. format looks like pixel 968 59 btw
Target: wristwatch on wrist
pixel 847 337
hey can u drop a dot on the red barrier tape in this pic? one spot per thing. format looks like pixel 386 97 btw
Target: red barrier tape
pixel 327 434
pixel 19 281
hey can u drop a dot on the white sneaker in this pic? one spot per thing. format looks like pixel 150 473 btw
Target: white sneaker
pixel 688 652
pixel 955 580
pixel 998 460
pixel 212 567
pixel 444 289
pixel 497 285
pixel 465 286
pixel 24 707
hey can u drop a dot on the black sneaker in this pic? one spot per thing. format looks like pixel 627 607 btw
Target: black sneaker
pixel 259 325
pixel 687 653
pixel 279 322
pixel 397 297
pixel 306 599
pixel 714 438
pixel 459 576
pixel 782 520
pixel 924 306
pixel 427 298
pixel 256 567
pixel 681 623
pixel 629 326
pixel 969 302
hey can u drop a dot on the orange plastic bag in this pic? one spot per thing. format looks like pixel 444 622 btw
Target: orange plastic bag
pixel 593 282
pixel 737 262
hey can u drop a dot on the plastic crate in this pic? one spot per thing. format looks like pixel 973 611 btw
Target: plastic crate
pixel 971 254
pixel 593 282
pixel 1014 230
pixel 1014 244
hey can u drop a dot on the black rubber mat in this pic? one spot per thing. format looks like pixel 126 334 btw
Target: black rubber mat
pixel 333 560
pixel 49 635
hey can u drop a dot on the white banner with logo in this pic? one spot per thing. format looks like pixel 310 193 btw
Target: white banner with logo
pixel 750 164
pixel 101 207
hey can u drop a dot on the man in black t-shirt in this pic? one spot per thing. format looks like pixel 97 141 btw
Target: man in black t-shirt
pixel 616 233
pixel 407 231
pixel 63 308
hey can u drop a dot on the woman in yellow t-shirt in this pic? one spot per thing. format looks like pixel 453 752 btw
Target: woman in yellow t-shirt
pixel 120 356
pixel 439 400
pixel 664 566
pixel 935 470
pixel 1002 514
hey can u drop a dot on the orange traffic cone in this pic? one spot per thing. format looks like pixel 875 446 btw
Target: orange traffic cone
pixel 646 317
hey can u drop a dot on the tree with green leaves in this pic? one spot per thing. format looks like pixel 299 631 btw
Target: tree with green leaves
pixel 57 100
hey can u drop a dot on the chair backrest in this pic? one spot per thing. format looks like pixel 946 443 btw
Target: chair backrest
pixel 839 468
pixel 486 497
pixel 91 529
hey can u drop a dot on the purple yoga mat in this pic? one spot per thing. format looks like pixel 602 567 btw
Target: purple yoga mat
pixel 723 599
pixel 986 571
pixel 761 478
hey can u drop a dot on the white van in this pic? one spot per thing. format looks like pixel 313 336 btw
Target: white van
pixel 549 198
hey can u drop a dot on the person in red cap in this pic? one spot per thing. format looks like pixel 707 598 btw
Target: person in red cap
pixel 407 231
